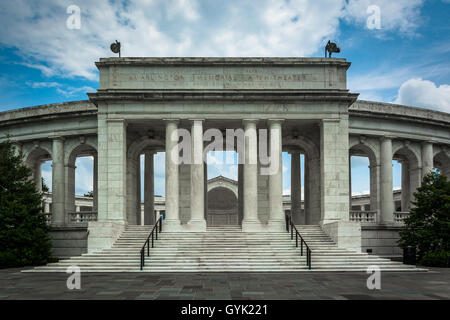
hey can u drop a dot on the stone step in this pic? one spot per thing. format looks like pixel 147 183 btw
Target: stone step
pixel 224 249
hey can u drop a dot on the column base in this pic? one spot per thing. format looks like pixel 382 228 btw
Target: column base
pixel 171 225
pixel 103 234
pixel 252 226
pixel 195 226
pixel 277 226
pixel 346 234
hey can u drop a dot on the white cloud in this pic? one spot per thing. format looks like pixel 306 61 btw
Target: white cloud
pixel 37 85
pixel 84 175
pixel 180 28
pixel 424 93
pixel 401 15
pixel 71 91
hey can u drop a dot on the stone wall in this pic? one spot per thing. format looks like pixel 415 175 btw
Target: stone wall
pixel 382 240
pixel 68 241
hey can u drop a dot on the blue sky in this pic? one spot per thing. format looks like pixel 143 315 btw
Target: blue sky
pixel 404 61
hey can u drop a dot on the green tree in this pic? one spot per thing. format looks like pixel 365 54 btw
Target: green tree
pixel 44 186
pixel 24 234
pixel 428 226
pixel 89 194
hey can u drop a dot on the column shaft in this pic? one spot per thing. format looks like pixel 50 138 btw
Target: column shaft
pixel 405 186
pixel 427 158
pixel 296 188
pixel 387 198
pixel 172 218
pixel 250 176
pixel 95 184
pixel 197 177
pixel 58 183
pixel 276 177
pixel 149 190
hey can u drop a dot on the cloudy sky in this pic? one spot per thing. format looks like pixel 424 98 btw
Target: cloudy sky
pixel 47 57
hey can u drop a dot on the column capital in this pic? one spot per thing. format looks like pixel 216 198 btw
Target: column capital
pixel 331 120
pixel 167 121
pixel 149 151
pixel 125 122
pixel 275 121
pixel 426 142
pixel 384 138
pixel 250 121
pixel 197 119
pixel 58 138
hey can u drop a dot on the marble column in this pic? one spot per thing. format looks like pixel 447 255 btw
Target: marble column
pixel 334 170
pixel 95 184
pixel 172 219
pixel 58 183
pixel 197 221
pixel 405 186
pixel 69 197
pixel 139 212
pixel 149 189
pixel 296 195
pixel 37 173
pixel 306 195
pixel 240 192
pixel 427 158
pixel 251 221
pixel 276 220
pixel 350 181
pixel 205 183
pixel 112 186
pixel 387 198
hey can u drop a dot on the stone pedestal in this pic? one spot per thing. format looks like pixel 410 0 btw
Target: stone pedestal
pixel 103 234
pixel 346 234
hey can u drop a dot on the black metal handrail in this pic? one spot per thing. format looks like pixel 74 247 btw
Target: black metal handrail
pixel 153 236
pixel 291 227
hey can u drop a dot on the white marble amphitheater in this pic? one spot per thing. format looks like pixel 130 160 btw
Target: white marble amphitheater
pixel 306 108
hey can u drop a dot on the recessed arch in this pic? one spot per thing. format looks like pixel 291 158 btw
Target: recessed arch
pixel 222 207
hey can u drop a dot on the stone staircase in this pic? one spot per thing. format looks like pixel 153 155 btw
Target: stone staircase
pixel 224 249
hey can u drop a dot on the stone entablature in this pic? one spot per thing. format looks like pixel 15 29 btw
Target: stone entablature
pixel 222 73
pixel 390 109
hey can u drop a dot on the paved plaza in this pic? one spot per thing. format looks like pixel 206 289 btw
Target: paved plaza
pixel 225 286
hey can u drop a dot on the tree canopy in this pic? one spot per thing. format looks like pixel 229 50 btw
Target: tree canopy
pixel 24 234
pixel 428 226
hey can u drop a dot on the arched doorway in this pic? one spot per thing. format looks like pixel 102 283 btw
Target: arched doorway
pixel 222 207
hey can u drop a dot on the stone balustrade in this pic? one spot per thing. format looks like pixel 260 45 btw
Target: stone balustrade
pixel 363 216
pixel 400 216
pixel 82 216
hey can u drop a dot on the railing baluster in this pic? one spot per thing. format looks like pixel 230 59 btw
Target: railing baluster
pixel 301 248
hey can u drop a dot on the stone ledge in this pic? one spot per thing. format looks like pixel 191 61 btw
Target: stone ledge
pixel 220 61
